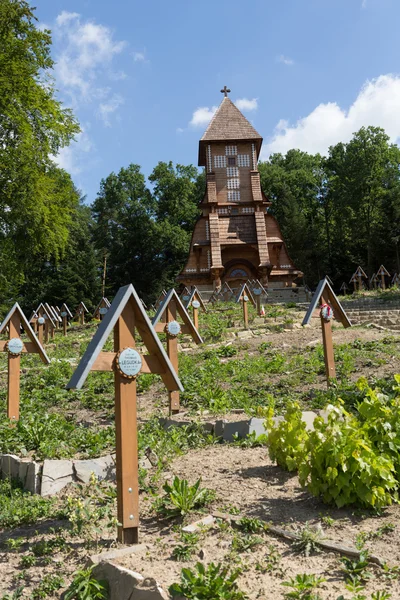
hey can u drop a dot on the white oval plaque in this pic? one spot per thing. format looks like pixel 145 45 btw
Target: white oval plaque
pixel 103 310
pixel 129 362
pixel 257 292
pixel 63 313
pixel 185 298
pixel 15 346
pixel 246 298
pixel 196 304
pixel 41 320
pixel 173 328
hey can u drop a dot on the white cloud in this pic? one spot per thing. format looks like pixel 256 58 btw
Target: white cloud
pixel 377 104
pixel 364 4
pixel 73 156
pixel 139 56
pixel 245 104
pixel 289 62
pixel 108 108
pixel 88 51
pixel 202 116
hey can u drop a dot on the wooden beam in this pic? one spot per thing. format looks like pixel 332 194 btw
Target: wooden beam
pixel 172 351
pixel 328 346
pixel 14 364
pixel 126 436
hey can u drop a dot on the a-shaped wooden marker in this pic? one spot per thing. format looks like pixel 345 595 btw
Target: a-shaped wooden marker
pixel 184 296
pixel 360 275
pixel 344 287
pixel 329 308
pixel 373 281
pixel 244 296
pixel 383 273
pixel 15 346
pixel 196 302
pixel 45 324
pixel 164 321
pixel 160 299
pixel 80 313
pixel 227 292
pixel 396 280
pixel 258 290
pixel 55 317
pixel 64 314
pixel 101 309
pixel 126 318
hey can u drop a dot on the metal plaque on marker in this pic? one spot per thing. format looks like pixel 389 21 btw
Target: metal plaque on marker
pixel 63 313
pixel 41 320
pixel 173 328
pixel 246 298
pixel 257 292
pixel 103 310
pixel 15 346
pixel 129 362
pixel 185 298
pixel 196 304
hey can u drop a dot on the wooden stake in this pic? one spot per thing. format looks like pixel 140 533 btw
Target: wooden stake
pixel 328 346
pixel 14 363
pixel 196 317
pixel 126 436
pixel 172 351
pixel 245 313
pixel 383 284
pixel 64 319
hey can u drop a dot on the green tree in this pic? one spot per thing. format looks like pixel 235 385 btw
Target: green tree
pixel 36 198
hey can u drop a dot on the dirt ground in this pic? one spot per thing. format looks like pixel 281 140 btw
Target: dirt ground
pixel 247 480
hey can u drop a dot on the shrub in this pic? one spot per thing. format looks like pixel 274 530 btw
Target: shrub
pixel 204 583
pixel 180 497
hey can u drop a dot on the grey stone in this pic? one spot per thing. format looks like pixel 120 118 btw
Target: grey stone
pixel 144 463
pixel 219 428
pixel 259 321
pixel 244 335
pixel 208 426
pixel 128 585
pixel 241 428
pixel 257 426
pixel 103 468
pixel 10 466
pixel 208 520
pixel 308 417
pixel 56 475
pixel 33 478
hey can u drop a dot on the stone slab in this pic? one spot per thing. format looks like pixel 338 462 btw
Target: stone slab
pixel 257 426
pixel 128 585
pixel 103 468
pixel 241 428
pixel 10 466
pixel 116 553
pixel 308 417
pixel 56 475
pixel 208 520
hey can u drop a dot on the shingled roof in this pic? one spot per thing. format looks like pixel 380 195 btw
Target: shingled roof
pixel 228 123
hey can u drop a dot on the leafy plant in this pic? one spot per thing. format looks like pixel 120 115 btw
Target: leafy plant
pixel 251 525
pixel 180 497
pixel 356 570
pixel 303 587
pixel 204 583
pixel 287 441
pixel 84 586
pixel 309 540
pixel 245 542
pixel 184 551
pixel 48 585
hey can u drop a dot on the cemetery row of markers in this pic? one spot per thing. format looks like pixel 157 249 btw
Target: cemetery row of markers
pixel 360 280
pixel 126 318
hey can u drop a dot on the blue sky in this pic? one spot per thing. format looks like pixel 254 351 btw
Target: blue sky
pixel 143 78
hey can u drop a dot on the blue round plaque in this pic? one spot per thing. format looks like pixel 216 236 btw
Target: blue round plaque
pixel 173 328
pixel 103 310
pixel 15 346
pixel 41 320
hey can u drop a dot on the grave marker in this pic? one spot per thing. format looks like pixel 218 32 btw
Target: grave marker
pixel 164 321
pixel 344 288
pixel 80 313
pixel 244 296
pixel 383 272
pixel 125 318
pixel 396 280
pixel 185 296
pixel 196 302
pixel 227 292
pixel 45 323
pixel 15 347
pixel 258 290
pixel 101 309
pixel 359 274
pixel 329 308
pixel 64 314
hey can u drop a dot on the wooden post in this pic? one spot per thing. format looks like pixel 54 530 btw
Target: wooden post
pixel 64 319
pixel 258 302
pixel 196 317
pixel 172 351
pixel 40 328
pixel 245 312
pixel 46 330
pixel 328 346
pixel 82 317
pixel 383 284
pixel 126 436
pixel 14 363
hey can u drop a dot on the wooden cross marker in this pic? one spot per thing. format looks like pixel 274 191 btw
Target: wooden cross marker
pixel 225 91
pixel 396 280
pixel 164 321
pixel 383 273
pixel 101 309
pixel 125 318
pixel 54 317
pixel 160 299
pixel 329 308
pixel 360 274
pixel 80 313
pixel 15 347
pixel 258 290
pixel 45 324
pixel 196 302
pixel 227 292
pixel 344 288
pixel 244 296
pixel 185 296
pixel 64 314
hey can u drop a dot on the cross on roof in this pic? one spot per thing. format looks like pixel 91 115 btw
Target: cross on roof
pixel 225 91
